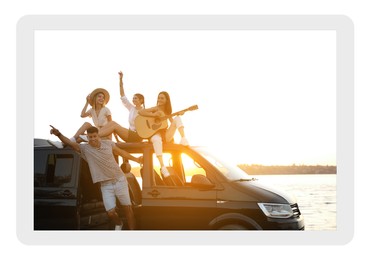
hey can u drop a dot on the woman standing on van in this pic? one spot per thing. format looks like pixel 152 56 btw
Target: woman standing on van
pixel 130 134
pixel 99 113
pixel 164 107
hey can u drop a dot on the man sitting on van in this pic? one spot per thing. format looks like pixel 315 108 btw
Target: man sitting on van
pixel 104 169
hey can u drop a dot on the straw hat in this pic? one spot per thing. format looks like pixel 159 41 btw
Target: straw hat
pixel 96 91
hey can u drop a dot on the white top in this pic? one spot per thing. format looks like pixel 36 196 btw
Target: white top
pixel 133 112
pixel 101 119
pixel 101 161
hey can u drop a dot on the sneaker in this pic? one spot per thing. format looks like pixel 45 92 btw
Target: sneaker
pixel 57 144
pixel 118 227
pixel 165 172
pixel 184 141
pixel 84 138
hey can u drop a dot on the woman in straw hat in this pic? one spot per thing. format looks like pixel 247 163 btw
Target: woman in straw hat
pixel 99 113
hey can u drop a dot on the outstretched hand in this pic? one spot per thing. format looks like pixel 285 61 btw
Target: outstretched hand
pixel 54 131
pixel 120 74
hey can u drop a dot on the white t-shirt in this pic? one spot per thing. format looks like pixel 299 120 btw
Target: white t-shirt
pixel 133 112
pixel 101 119
pixel 101 161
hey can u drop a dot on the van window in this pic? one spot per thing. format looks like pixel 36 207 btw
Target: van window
pixel 90 191
pixel 53 170
pixel 191 167
pixel 157 176
pixel 184 171
pixel 230 171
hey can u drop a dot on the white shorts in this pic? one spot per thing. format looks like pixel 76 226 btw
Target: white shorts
pixel 115 188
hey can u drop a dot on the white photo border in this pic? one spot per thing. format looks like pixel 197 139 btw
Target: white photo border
pixel 344 28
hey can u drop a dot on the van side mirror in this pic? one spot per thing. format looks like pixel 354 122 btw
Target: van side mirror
pixel 200 181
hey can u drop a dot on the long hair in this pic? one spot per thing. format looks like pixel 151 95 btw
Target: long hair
pixel 141 97
pixel 168 106
pixel 94 100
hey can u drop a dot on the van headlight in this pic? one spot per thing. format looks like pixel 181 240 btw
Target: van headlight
pixel 274 210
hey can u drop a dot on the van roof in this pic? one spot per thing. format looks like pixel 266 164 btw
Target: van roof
pixel 37 142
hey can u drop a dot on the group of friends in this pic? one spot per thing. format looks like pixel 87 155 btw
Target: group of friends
pixel 94 143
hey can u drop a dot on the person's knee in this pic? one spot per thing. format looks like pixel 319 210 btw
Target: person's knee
pixel 112 213
pixel 157 144
pixel 156 139
pixel 87 125
pixel 178 122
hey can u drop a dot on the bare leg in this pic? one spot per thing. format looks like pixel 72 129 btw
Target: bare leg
pixel 82 130
pixel 112 214
pixel 129 213
pixel 113 127
pixel 122 132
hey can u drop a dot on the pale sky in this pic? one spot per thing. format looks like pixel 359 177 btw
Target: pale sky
pixel 264 97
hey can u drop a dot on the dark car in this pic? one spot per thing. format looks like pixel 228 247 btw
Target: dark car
pixel 202 193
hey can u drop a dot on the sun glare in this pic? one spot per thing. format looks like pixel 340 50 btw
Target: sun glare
pixel 254 106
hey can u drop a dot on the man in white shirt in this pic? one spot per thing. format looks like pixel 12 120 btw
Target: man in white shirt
pixel 104 169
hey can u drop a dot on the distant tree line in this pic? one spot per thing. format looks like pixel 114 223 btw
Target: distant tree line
pixel 289 169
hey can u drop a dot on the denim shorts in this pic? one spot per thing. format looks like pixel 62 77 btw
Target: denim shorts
pixel 115 188
pixel 133 137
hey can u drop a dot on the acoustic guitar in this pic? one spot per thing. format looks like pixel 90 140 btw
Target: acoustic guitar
pixel 146 126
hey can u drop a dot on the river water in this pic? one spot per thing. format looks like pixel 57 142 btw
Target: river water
pixel 315 194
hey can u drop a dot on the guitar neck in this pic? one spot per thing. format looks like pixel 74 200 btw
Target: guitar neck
pixel 173 114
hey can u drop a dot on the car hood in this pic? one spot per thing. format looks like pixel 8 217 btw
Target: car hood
pixel 263 192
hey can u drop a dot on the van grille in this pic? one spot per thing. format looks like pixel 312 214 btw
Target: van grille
pixel 295 209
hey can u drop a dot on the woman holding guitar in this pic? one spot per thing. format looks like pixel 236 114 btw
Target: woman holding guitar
pixel 162 109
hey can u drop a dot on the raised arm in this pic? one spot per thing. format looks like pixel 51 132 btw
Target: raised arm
pixel 121 90
pixel 83 112
pixel 67 141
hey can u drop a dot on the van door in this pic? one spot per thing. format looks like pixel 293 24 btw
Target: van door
pixel 91 208
pixel 177 205
pixel 55 189
pixel 177 208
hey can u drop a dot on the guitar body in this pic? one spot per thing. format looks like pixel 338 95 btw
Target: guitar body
pixel 147 126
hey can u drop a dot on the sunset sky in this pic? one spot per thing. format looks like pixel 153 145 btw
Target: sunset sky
pixel 264 97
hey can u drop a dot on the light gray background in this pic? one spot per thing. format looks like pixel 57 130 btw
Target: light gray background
pixel 345 132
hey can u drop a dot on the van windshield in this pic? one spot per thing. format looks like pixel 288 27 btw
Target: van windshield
pixel 230 171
